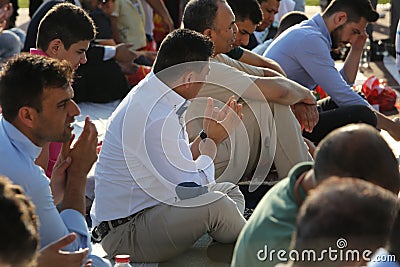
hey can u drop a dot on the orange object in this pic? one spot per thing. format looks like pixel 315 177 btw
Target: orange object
pixel 320 93
pixel 135 78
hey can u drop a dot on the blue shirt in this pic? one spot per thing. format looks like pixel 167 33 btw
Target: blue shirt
pixel 17 163
pixel 303 52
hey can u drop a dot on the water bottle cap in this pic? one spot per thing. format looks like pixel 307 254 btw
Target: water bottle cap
pixel 122 258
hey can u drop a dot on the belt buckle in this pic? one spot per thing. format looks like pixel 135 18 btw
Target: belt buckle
pixel 96 236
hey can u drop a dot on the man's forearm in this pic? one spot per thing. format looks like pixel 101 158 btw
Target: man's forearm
pixel 279 90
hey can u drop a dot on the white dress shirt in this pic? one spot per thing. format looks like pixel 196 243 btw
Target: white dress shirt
pixel 145 154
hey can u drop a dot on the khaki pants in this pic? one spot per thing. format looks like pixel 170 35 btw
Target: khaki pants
pixel 163 231
pixel 270 133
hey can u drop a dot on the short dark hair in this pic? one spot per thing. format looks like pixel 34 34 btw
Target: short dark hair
pixel 290 19
pixel 181 46
pixel 200 15
pixel 356 211
pixel 246 9
pixel 357 150
pixel 355 10
pixel 66 22
pixel 18 226
pixel 262 1
pixel 25 76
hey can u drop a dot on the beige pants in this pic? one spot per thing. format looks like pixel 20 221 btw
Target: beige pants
pixel 164 231
pixel 270 133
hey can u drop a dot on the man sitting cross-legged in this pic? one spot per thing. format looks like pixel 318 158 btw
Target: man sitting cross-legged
pixel 155 193
pixel 252 150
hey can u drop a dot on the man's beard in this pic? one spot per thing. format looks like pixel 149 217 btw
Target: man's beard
pixel 335 37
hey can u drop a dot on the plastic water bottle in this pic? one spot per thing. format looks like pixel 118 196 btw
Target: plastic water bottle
pixel 122 261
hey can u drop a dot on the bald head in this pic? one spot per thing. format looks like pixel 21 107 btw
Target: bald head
pixel 357 150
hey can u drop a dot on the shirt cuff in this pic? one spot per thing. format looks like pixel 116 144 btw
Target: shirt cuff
pixel 109 52
pixel 75 222
pixel 205 164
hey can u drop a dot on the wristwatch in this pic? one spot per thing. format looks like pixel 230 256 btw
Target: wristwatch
pixel 203 135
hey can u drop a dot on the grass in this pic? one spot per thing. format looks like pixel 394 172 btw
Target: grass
pixel 25 3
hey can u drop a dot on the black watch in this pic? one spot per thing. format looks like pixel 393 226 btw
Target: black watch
pixel 203 135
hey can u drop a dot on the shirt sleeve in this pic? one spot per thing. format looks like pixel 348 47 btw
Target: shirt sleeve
pixel 109 52
pixel 54 225
pixel 235 53
pixel 316 61
pixel 170 156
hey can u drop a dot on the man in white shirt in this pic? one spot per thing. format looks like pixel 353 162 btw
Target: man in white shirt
pixel 155 193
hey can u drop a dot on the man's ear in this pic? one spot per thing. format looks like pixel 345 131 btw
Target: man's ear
pixel 208 32
pixel 340 18
pixel 27 116
pixel 188 79
pixel 54 48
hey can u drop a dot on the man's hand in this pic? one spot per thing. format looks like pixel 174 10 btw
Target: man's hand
pixel 124 53
pixel 358 41
pixel 59 174
pixel 84 152
pixel 168 24
pixel 128 67
pixel 307 115
pixel 53 256
pixel 218 124
pixel 150 55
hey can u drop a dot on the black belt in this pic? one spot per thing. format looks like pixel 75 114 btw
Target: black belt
pixel 100 231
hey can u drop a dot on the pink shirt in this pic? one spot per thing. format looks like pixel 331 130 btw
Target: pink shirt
pixel 55 147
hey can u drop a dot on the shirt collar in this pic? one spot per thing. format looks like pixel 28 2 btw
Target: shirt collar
pixel 35 51
pixel 320 23
pixel 18 139
pixel 173 99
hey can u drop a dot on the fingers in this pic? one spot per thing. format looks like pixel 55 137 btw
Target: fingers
pixel 89 132
pixel 63 242
pixel 307 115
pixel 66 148
pixel 128 45
pixel 209 109
pixel 233 117
pixel 76 258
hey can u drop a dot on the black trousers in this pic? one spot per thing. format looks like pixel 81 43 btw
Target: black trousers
pixel 332 117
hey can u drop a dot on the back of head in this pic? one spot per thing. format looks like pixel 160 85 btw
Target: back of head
pixel 246 9
pixel 262 1
pixel 199 15
pixel 18 226
pixel 179 47
pixel 357 150
pixel 290 19
pixel 67 22
pixel 23 79
pixel 355 9
pixel 347 215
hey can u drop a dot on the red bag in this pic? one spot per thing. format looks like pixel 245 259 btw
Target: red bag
pixel 378 93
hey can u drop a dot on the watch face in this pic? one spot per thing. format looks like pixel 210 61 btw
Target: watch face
pixel 203 135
